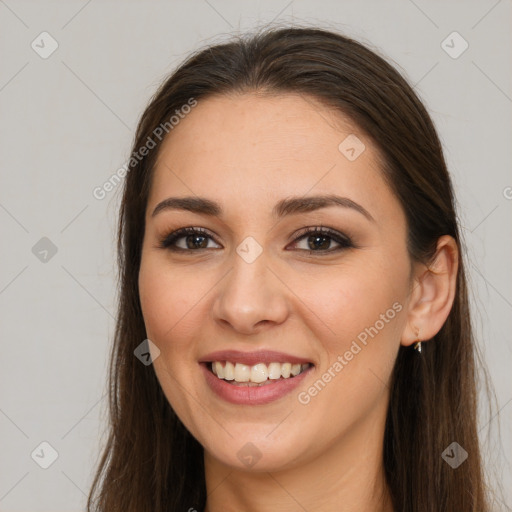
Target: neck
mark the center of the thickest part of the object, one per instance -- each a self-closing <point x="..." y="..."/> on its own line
<point x="348" y="474"/>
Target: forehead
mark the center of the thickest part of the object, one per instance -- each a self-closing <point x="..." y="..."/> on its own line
<point x="244" y="130"/>
<point x="254" y="149"/>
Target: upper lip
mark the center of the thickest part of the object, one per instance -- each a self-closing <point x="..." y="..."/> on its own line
<point x="252" y="358"/>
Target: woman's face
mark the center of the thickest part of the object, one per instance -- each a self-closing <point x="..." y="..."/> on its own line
<point x="260" y="293"/>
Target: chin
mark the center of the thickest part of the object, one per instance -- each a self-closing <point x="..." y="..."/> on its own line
<point x="257" y="451"/>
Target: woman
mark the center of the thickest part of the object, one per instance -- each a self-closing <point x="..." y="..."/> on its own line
<point x="290" y="262"/>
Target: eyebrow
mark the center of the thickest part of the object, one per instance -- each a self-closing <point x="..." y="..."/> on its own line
<point x="288" y="206"/>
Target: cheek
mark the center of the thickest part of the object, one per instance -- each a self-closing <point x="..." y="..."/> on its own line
<point x="170" y="303"/>
<point x="348" y="300"/>
<point x="362" y="308"/>
<point x="167" y="299"/>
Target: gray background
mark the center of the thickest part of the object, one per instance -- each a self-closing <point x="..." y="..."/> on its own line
<point x="67" y="123"/>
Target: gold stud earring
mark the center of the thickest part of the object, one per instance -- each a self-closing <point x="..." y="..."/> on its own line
<point x="417" y="341"/>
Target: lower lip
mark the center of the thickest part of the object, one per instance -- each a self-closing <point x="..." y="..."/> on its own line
<point x="252" y="395"/>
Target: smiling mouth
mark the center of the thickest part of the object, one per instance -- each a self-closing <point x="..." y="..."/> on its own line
<point x="260" y="374"/>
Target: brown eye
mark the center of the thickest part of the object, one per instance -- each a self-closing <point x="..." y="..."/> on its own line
<point x="320" y="240"/>
<point x="194" y="239"/>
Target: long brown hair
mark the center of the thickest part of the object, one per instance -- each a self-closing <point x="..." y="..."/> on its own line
<point x="151" y="462"/>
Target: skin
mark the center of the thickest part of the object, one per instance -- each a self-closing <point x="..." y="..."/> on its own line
<point x="247" y="152"/>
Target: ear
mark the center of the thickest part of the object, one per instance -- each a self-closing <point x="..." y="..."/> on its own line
<point x="433" y="292"/>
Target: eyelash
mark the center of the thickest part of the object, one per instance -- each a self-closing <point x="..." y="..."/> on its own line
<point x="168" y="241"/>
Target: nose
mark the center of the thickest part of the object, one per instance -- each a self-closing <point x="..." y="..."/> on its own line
<point x="250" y="297"/>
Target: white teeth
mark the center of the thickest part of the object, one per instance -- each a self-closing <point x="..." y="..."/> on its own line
<point x="286" y="370"/>
<point x="258" y="373"/>
<point x="229" y="371"/>
<point x="274" y="371"/>
<point x="218" y="370"/>
<point x="242" y="372"/>
<point x="295" y="369"/>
